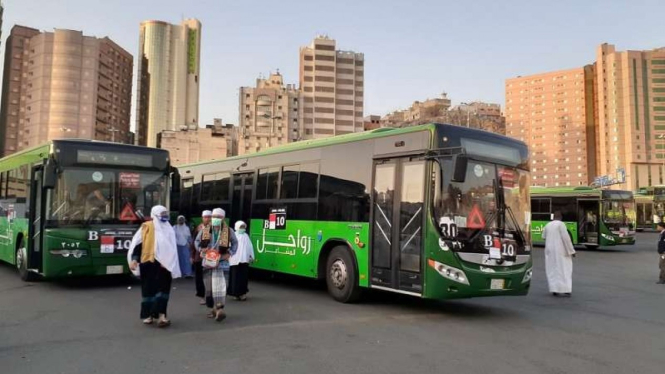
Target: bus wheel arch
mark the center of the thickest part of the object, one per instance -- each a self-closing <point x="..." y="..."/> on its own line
<point x="339" y="267"/>
<point x="21" y="260"/>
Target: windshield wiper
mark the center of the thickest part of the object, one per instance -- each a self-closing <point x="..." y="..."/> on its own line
<point x="501" y="199"/>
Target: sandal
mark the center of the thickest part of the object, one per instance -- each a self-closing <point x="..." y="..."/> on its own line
<point x="163" y="322"/>
<point x="220" y="315"/>
<point x="148" y="321"/>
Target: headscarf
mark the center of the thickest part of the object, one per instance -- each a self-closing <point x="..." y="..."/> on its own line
<point x="182" y="231"/>
<point x="245" y="250"/>
<point x="206" y="213"/>
<point x="239" y="224"/>
<point x="166" y="251"/>
<point x="218" y="212"/>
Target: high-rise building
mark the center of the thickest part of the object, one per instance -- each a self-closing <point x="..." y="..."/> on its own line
<point x="168" y="78"/>
<point x="549" y="112"/>
<point x="2" y="11"/>
<point x="270" y="114"/>
<point x="630" y="87"/>
<point x="332" y="83"/>
<point x="11" y="88"/>
<point x="597" y="120"/>
<point x="63" y="84"/>
<point x="212" y="142"/>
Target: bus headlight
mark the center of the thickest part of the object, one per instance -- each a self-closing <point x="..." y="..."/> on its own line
<point x="76" y="253"/>
<point x="527" y="276"/>
<point x="449" y="272"/>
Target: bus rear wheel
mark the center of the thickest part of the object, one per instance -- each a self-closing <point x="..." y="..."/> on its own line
<point x="342" y="276"/>
<point x="22" y="263"/>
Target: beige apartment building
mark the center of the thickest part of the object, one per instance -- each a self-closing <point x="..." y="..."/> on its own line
<point x="63" y="84"/>
<point x="630" y="87"/>
<point x="271" y="114"/>
<point x="597" y="119"/>
<point x="332" y="82"/>
<point x="549" y="112"/>
<point x="168" y="78"/>
<point x="212" y="142"/>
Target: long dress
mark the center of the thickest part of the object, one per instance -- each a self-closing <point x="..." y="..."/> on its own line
<point x="558" y="257"/>
<point x="239" y="274"/>
<point x="214" y="279"/>
<point x="155" y="287"/>
<point x="154" y="248"/>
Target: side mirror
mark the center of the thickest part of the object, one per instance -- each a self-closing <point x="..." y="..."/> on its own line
<point x="175" y="180"/>
<point x="50" y="174"/>
<point x="460" y="163"/>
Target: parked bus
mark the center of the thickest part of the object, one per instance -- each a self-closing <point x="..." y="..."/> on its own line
<point x="70" y="207"/>
<point x="435" y="211"/>
<point x="594" y="218"/>
<point x="650" y="202"/>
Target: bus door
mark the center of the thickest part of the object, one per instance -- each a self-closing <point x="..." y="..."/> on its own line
<point x="34" y="242"/>
<point x="588" y="216"/>
<point x="243" y="187"/>
<point x="397" y="224"/>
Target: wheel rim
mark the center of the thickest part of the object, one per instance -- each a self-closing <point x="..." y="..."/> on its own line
<point x="20" y="258"/>
<point x="338" y="274"/>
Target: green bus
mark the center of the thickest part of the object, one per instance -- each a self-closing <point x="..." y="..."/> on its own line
<point x="70" y="207"/>
<point x="650" y="203"/>
<point x="595" y="218"/>
<point x="434" y="211"/>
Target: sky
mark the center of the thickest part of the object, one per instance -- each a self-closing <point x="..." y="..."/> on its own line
<point x="413" y="50"/>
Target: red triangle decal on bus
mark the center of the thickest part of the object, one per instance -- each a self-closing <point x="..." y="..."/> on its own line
<point x="476" y="219"/>
<point x="128" y="214"/>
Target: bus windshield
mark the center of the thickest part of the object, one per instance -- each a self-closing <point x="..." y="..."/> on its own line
<point x="472" y="205"/>
<point x="83" y="196"/>
<point x="619" y="215"/>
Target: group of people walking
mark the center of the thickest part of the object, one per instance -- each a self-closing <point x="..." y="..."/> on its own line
<point x="215" y="255"/>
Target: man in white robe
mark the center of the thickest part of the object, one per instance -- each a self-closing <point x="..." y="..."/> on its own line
<point x="559" y="254"/>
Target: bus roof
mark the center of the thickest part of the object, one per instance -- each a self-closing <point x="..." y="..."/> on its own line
<point x="352" y="137"/>
<point x="568" y="191"/>
<point x="39" y="152"/>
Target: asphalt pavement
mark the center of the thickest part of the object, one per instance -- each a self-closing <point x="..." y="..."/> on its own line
<point x="613" y="323"/>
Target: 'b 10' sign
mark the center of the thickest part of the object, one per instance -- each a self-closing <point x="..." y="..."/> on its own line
<point x="276" y="220"/>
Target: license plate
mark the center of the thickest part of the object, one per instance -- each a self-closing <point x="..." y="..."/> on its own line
<point x="497" y="284"/>
<point x="114" y="269"/>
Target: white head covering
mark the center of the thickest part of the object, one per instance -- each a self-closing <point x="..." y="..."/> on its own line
<point x="238" y="224"/>
<point x="218" y="212"/>
<point x="166" y="251"/>
<point x="206" y="213"/>
<point x="245" y="250"/>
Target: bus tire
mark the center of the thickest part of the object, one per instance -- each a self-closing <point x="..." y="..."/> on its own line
<point x="22" y="263"/>
<point x="342" y="275"/>
<point x="591" y="247"/>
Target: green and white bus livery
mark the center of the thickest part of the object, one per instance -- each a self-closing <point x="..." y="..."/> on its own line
<point x="70" y="207"/>
<point x="435" y="211"/>
<point x="595" y="218"/>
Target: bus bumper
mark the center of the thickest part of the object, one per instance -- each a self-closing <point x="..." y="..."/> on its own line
<point x="479" y="282"/>
<point x="56" y="266"/>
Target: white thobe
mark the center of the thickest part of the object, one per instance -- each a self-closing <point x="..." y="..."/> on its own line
<point x="559" y="253"/>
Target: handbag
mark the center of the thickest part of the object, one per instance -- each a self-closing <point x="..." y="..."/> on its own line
<point x="210" y="259"/>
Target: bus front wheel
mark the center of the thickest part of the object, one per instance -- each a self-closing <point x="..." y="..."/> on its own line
<point x="342" y="275"/>
<point x="22" y="263"/>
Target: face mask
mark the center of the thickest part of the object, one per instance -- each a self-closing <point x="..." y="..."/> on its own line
<point x="216" y="221"/>
<point x="241" y="231"/>
<point x="164" y="218"/>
